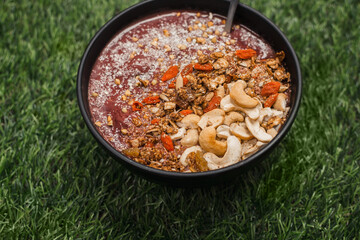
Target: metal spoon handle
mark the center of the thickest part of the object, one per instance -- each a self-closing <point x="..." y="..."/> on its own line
<point x="230" y="16"/>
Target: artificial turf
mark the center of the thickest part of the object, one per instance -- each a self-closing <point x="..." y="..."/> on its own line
<point x="57" y="183"/>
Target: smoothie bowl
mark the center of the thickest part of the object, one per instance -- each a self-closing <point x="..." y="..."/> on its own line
<point x="178" y="100"/>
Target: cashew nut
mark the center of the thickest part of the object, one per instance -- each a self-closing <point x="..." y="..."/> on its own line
<point x="187" y="152"/>
<point x="180" y="134"/>
<point x="267" y="113"/>
<point x="272" y="132"/>
<point x="208" y="142"/>
<point x="232" y="155"/>
<point x="227" y="104"/>
<point x="256" y="130"/>
<point x="230" y="85"/>
<point x="233" y="117"/>
<point x="240" y="130"/>
<point x="189" y="121"/>
<point x="238" y="94"/>
<point x="213" y="118"/>
<point x="252" y="113"/>
<point x="253" y="149"/>
<point x="191" y="138"/>
<point x="280" y="103"/>
<point x="223" y="131"/>
<point x="246" y="145"/>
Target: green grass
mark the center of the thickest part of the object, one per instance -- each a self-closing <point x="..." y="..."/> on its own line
<point x="57" y="183"/>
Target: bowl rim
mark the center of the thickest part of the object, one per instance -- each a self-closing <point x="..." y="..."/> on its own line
<point x="168" y="174"/>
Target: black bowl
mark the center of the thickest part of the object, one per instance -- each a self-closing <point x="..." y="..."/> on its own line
<point x="246" y="16"/>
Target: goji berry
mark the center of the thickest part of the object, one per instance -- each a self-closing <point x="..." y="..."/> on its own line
<point x="167" y="142"/>
<point x="172" y="84"/>
<point x="186" y="112"/>
<point x="187" y="70"/>
<point x="270" y="88"/>
<point x="214" y="103"/>
<point x="155" y="121"/>
<point x="151" y="100"/>
<point x="170" y="73"/>
<point x="245" y="53"/>
<point x="203" y="67"/>
<point x="271" y="100"/>
<point x="136" y="106"/>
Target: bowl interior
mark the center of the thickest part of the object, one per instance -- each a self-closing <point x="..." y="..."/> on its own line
<point x="244" y="15"/>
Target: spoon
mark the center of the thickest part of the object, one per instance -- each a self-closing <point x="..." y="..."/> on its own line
<point x="230" y="16"/>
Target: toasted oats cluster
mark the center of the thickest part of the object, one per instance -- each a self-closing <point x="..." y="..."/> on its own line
<point x="186" y="96"/>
